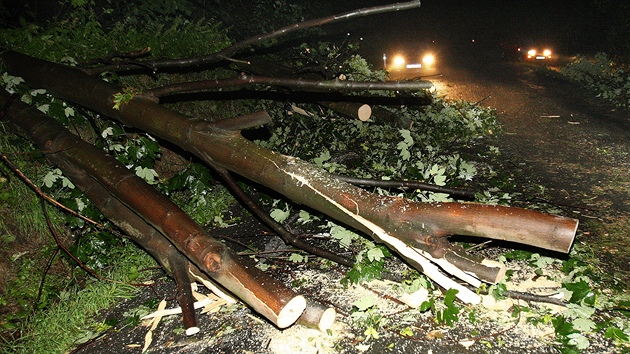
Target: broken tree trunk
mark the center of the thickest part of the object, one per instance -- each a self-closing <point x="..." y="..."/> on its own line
<point x="150" y="218"/>
<point x="417" y="231"/>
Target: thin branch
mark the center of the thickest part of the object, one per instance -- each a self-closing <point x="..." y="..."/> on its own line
<point x="228" y="52"/>
<point x="64" y="248"/>
<point x="303" y="84"/>
<point x="45" y="198"/>
<point x="286" y="235"/>
<point x="43" y="280"/>
<point x="51" y="200"/>
<point x="120" y="55"/>
<point x="529" y="297"/>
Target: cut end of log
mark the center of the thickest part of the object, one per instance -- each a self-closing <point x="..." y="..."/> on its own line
<point x="192" y="330"/>
<point x="570" y="236"/>
<point x="327" y="320"/>
<point x="291" y="312"/>
<point x="364" y="112"/>
<point x="494" y="264"/>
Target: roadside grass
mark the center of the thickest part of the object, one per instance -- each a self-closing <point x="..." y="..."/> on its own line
<point x="70" y="320"/>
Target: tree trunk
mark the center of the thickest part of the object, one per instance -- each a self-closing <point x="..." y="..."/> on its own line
<point x="417" y="231"/>
<point x="150" y="219"/>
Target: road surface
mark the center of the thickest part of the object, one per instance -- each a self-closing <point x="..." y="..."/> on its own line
<point x="575" y="145"/>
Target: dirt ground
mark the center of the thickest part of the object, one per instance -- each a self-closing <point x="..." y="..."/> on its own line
<point x="562" y="147"/>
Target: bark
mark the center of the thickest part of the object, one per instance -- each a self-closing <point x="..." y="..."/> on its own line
<point x="150" y="218"/>
<point x="294" y="83"/>
<point x="417" y="231"/>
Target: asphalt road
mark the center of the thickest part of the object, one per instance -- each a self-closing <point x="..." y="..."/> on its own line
<point x="557" y="135"/>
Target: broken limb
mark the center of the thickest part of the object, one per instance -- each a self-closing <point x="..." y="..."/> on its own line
<point x="360" y="111"/>
<point x="228" y="52"/>
<point x="294" y="83"/>
<point x="116" y="184"/>
<point x="317" y="315"/>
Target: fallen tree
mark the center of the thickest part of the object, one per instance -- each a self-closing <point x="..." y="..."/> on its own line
<point x="418" y="232"/>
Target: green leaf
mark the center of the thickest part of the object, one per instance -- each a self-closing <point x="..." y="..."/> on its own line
<point x="406" y="332"/>
<point x="323" y="157"/>
<point x="280" y="215"/>
<point x="43" y="108"/>
<point x="363" y="271"/>
<point x="581" y="292"/>
<point x="450" y="314"/>
<point x="578" y="311"/>
<point x="69" y="112"/>
<point x="541" y="262"/>
<point x="406" y="134"/>
<point x="364" y="303"/>
<point x="50" y="179"/>
<point x="498" y="291"/>
<point x="38" y="92"/>
<point x="562" y="326"/>
<point x="616" y="334"/>
<point x="344" y="235"/>
<point x="148" y="174"/>
<point x="67" y="183"/>
<point x="375" y="254"/>
<point x="439" y="180"/>
<point x="296" y="258"/>
<point x="305" y="217"/>
<point x="578" y="340"/>
<point x="583" y="324"/>
<point x="371" y="332"/>
<point x="450" y="296"/>
<point x="405" y="154"/>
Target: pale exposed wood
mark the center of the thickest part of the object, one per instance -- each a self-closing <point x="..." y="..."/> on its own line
<point x="317" y="315"/>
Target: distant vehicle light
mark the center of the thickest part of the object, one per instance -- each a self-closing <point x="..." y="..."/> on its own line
<point x="428" y="60"/>
<point x="539" y="55"/>
<point x="399" y="61"/>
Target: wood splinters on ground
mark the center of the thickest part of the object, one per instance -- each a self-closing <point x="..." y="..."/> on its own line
<point x="210" y="304"/>
<point x="148" y="338"/>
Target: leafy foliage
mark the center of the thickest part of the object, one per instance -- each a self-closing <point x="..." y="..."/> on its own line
<point x="368" y="150"/>
<point x="369" y="265"/>
<point x="610" y="80"/>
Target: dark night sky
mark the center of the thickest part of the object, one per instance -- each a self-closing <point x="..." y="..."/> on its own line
<point x="563" y="25"/>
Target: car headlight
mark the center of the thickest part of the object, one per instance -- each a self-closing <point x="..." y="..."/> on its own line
<point x="531" y="52"/>
<point x="399" y="61"/>
<point x="428" y="60"/>
<point x="547" y="52"/>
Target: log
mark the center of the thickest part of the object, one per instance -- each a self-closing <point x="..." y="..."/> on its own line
<point x="117" y="187"/>
<point x="317" y="316"/>
<point x="359" y="111"/>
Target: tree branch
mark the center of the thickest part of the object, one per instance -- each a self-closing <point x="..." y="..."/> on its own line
<point x="226" y="53"/>
<point x="287" y="236"/>
<point x="303" y="84"/>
